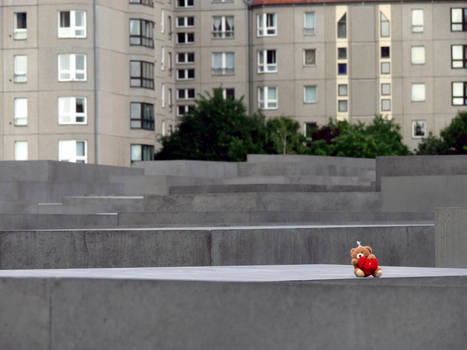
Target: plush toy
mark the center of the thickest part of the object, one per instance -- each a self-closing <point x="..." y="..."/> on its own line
<point x="365" y="262"/>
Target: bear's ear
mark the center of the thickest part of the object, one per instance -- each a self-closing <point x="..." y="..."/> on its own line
<point x="351" y="251"/>
<point x="369" y="249"/>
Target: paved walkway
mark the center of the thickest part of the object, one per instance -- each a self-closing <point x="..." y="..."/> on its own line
<point x="259" y="273"/>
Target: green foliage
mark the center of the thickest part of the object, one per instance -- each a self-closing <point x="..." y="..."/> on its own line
<point x="216" y="129"/>
<point x="453" y="139"/>
<point x="284" y="137"/>
<point x="379" y="138"/>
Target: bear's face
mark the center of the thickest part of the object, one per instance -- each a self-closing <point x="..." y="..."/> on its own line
<point x="357" y="253"/>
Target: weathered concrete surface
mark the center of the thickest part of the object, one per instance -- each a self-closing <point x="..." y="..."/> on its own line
<point x="52" y="221"/>
<point x="203" y="246"/>
<point x="423" y="193"/>
<point x="451" y="237"/>
<point x="189" y="168"/>
<point x="151" y="313"/>
<point x="419" y="166"/>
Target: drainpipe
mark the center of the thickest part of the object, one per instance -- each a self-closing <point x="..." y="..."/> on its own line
<point x="96" y="119"/>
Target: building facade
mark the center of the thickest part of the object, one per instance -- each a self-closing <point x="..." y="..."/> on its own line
<point x="99" y="81"/>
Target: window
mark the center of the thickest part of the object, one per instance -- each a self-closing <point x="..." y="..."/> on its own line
<point x="143" y="2"/>
<point x="141" y="33"/>
<point x="169" y="23"/>
<point x="162" y="58"/>
<point x="223" y="27"/>
<point x="142" y="152"/>
<point x="185" y="3"/>
<point x="185" y="38"/>
<point x="141" y="115"/>
<point x="21" y="26"/>
<point x="418" y="92"/>
<point x="385" y="89"/>
<point x="309" y="25"/>
<point x="72" y="24"/>
<point x="310" y="94"/>
<point x="185" y="57"/>
<point x="342" y="27"/>
<point x="185" y="22"/>
<point x="459" y="93"/>
<point x="223" y="63"/>
<point x="385" y="30"/>
<point x="142" y="74"/>
<point x="342" y="53"/>
<point x="21" y="111"/>
<point x="21" y="69"/>
<point x="342" y="68"/>
<point x="72" y="110"/>
<point x="342" y="90"/>
<point x="266" y="24"/>
<point x="185" y="94"/>
<point x="21" y="150"/>
<point x="170" y="62"/>
<point x="162" y="21"/>
<point x="163" y="95"/>
<point x="71" y="67"/>
<point x="459" y="20"/>
<point x="267" y="61"/>
<point x="183" y="109"/>
<point x="308" y="129"/>
<point x="228" y="93"/>
<point x="459" y="56"/>
<point x="342" y="106"/>
<point x="418" y="55"/>
<point x="417" y="21"/>
<point x="267" y="97"/>
<point x="185" y="74"/>
<point x="72" y="151"/>
<point x="386" y="105"/>
<point x="163" y="128"/>
<point x="309" y="57"/>
<point x="385" y="68"/>
<point x="418" y="128"/>
<point x="385" y="52"/>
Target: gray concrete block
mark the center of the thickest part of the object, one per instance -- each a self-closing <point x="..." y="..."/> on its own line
<point x="55" y="221"/>
<point x="338" y="161"/>
<point x="423" y="193"/>
<point x="25" y="314"/>
<point x="191" y="168"/>
<point x="451" y="237"/>
<point x="419" y="166"/>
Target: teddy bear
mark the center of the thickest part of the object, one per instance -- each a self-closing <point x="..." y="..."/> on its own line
<point x="365" y="262"/>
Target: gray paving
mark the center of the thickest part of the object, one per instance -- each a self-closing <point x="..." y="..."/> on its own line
<point x="269" y="273"/>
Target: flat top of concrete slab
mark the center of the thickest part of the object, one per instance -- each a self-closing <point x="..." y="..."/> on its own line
<point x="257" y="273"/>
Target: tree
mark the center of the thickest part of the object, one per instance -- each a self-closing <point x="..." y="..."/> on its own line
<point x="452" y="140"/>
<point x="284" y="137"/>
<point x="217" y="128"/>
<point x="381" y="137"/>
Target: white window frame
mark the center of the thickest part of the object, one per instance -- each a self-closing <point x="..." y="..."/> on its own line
<point x="163" y="95"/>
<point x="162" y="58"/>
<point x="223" y="33"/>
<point x="20" y="33"/>
<point x="306" y="29"/>
<point x="385" y="67"/>
<point x="71" y="117"/>
<point x="223" y="69"/>
<point x="186" y="56"/>
<point x="21" y="150"/>
<point x="185" y="22"/>
<point x="382" y="32"/>
<point x="343" y="87"/>
<point x="186" y="77"/>
<point x="20" y="76"/>
<point x="418" y="22"/>
<point x="162" y="21"/>
<point x="73" y="31"/>
<point x="315" y="93"/>
<point x="459" y="56"/>
<point x="71" y="147"/>
<point x="421" y="98"/>
<point x="344" y="101"/>
<point x="414" y="59"/>
<point x="186" y="95"/>
<point x="459" y="93"/>
<point x="262" y="29"/>
<point x="186" y="36"/>
<point x="21" y="111"/>
<point x="304" y="58"/>
<point x="266" y="103"/>
<point x="382" y="89"/>
<point x="72" y="72"/>
<point x="383" y="106"/>
<point x="414" y="125"/>
<point x="185" y="3"/>
<point x="263" y="65"/>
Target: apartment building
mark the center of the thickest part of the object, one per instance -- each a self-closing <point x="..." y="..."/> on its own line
<point x="99" y="80"/>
